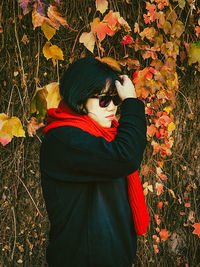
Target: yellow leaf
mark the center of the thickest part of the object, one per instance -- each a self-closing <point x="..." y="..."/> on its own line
<point x="49" y="32"/>
<point x="145" y="191"/>
<point x="111" y="62"/>
<point x="10" y="127"/>
<point x="171" y="127"/>
<point x="168" y="109"/>
<point x="145" y="184"/>
<point x="53" y="97"/>
<point x="53" y="52"/>
<point x="88" y="39"/>
<point x="150" y="187"/>
<point x="102" y="5"/>
<point x="194" y="53"/>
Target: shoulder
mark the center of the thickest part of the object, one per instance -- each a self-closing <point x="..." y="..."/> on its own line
<point x="70" y="135"/>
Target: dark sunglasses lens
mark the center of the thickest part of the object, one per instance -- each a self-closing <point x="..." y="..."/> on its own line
<point x="104" y="101"/>
<point x="116" y="100"/>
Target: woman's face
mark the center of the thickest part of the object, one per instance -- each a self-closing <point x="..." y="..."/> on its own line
<point x="102" y="115"/>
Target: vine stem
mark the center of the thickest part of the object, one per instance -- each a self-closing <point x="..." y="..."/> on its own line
<point x="14" y="220"/>
<point x="186" y="101"/>
<point x="30" y="196"/>
<point x="77" y="38"/>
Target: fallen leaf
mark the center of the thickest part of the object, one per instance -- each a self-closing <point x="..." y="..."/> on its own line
<point x="160" y="204"/>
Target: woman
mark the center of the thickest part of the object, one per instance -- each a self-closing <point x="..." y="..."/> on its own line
<point x="86" y="157"/>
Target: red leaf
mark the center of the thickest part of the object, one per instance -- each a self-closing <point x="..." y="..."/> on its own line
<point x="197" y="229"/>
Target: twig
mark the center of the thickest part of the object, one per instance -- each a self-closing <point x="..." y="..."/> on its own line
<point x="186" y="101"/>
<point x="20" y="54"/>
<point x="9" y="101"/>
<point x="30" y="195"/>
<point x="14" y="220"/>
<point x="77" y="38"/>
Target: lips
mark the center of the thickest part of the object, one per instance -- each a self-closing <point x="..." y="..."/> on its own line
<point x="111" y="116"/>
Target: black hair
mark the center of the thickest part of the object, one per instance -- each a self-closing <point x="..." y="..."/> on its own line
<point x="83" y="79"/>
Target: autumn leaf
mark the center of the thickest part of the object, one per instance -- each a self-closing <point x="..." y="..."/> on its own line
<point x="127" y="40"/>
<point x="10" y="127"/>
<point x="39" y="104"/>
<point x="160" y="204"/>
<point x="101" y="5"/>
<point x="53" y="97"/>
<point x="145" y="170"/>
<point x="45" y="98"/>
<point x="151" y="130"/>
<point x="158" y="221"/>
<point x="194" y="53"/>
<point x="156" y="250"/>
<point x="33" y="126"/>
<point x="177" y="29"/>
<point x="100" y="28"/>
<point x="197" y="229"/>
<point x="148" y="33"/>
<point x="88" y="39"/>
<point x="24" y="5"/>
<point x="52" y="51"/>
<point x="164" y="234"/>
<point x="49" y="31"/>
<point x="181" y="3"/>
<point x="159" y="188"/>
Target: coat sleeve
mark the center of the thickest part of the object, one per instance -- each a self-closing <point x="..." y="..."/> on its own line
<point x="69" y="153"/>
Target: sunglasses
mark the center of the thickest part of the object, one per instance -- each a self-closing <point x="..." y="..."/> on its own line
<point x="104" y="100"/>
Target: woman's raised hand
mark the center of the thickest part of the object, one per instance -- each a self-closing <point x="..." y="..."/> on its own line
<point x="126" y="89"/>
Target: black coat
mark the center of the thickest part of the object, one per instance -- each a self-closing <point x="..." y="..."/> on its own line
<point x="85" y="190"/>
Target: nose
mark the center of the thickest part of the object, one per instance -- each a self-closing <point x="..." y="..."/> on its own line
<point x="111" y="106"/>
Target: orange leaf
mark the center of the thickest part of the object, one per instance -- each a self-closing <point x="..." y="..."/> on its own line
<point x="156" y="216"/>
<point x="197" y="229"/>
<point x="156" y="250"/>
<point x="187" y="205"/>
<point x="102" y="5"/>
<point x="151" y="130"/>
<point x="164" y="234"/>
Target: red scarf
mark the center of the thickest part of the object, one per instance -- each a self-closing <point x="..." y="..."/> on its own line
<point x="63" y="116"/>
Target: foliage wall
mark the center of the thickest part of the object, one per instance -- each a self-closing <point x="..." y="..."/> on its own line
<point x="156" y="43"/>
